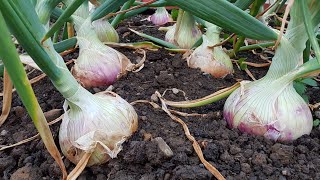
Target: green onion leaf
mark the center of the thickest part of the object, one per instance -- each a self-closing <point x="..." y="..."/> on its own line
<point x="227" y="16"/>
<point x="19" y="78"/>
<point x="310" y="28"/>
<point x="63" y="18"/>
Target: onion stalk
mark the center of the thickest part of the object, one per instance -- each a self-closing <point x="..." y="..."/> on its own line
<point x="185" y="32"/>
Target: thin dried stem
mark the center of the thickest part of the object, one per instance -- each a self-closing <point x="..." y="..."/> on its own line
<point x="80" y="166"/>
<point x="130" y="9"/>
<point x="30" y="138"/>
<point x="195" y="144"/>
<point x="224" y="41"/>
<point x="286" y="13"/>
<point x="7" y="97"/>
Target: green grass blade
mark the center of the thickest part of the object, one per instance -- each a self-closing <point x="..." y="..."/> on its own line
<point x="310" y="28"/>
<point x="107" y="7"/>
<point x="226" y="15"/>
<point x="119" y="17"/>
<point x="63" y="18"/>
<point x="19" y="78"/>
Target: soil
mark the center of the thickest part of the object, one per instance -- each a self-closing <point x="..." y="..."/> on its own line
<point x="236" y="155"/>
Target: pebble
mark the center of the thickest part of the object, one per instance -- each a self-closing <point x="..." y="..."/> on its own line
<point x="53" y="114"/>
<point x="96" y="90"/>
<point x="164" y="147"/>
<point x="110" y="88"/>
<point x="3" y="132"/>
<point x="147" y="136"/>
<point x="286" y="172"/>
<point x="175" y="90"/>
<point x="154" y="98"/>
<point x="19" y="111"/>
<point x="143" y="118"/>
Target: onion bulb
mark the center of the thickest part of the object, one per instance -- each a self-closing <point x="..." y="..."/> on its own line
<point x="105" y="32"/>
<point x="211" y="60"/>
<point x="98" y="124"/>
<point x="160" y="17"/>
<point x="186" y="35"/>
<point x="97" y="64"/>
<point x="270" y="106"/>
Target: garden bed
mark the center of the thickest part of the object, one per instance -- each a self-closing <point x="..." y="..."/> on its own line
<point x="236" y="155"/>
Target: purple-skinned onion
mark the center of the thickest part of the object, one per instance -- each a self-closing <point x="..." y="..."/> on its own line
<point x="160" y="17"/>
<point x="97" y="64"/>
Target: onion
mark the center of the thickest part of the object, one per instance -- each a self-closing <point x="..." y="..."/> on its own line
<point x="105" y="32"/>
<point x="97" y="64"/>
<point x="97" y="123"/>
<point x="186" y="35"/>
<point x="270" y="106"/>
<point x="211" y="60"/>
<point x="160" y="17"/>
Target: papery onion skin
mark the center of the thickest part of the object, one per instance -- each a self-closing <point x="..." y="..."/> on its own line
<point x="283" y="116"/>
<point x="160" y="17"/>
<point x="105" y="31"/>
<point x="211" y="60"/>
<point x="108" y="117"/>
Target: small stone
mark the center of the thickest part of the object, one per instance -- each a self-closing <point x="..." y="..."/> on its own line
<point x="164" y="147"/>
<point x="143" y="118"/>
<point x="3" y="133"/>
<point x="19" y="111"/>
<point x="147" y="136"/>
<point x="96" y="90"/>
<point x="53" y="114"/>
<point x="285" y="172"/>
<point x="154" y="98"/>
<point x="175" y="90"/>
<point x="110" y="88"/>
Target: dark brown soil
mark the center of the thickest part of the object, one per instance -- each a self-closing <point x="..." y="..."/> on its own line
<point x="236" y="155"/>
